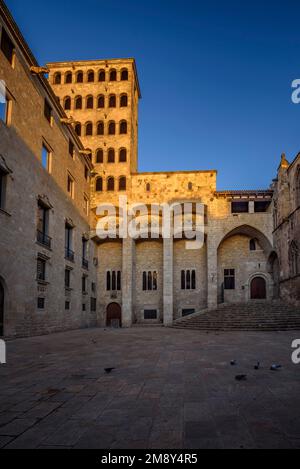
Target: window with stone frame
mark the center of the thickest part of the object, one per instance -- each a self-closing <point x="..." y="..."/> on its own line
<point x="5" y="105"/>
<point x="229" y="279"/>
<point x="150" y="281"/>
<point x="188" y="279"/>
<point x="113" y="280"/>
<point x="41" y="269"/>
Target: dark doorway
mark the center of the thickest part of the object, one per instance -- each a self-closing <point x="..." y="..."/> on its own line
<point x="114" y="315"/>
<point x="258" y="289"/>
<point x="1" y="309"/>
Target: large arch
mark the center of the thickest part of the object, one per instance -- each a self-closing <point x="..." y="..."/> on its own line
<point x="239" y="264"/>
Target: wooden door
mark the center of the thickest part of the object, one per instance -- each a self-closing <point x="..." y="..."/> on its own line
<point x="114" y="315"/>
<point x="258" y="289"/>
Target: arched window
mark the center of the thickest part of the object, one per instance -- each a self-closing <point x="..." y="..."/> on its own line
<point x="124" y="74"/>
<point x="111" y="184"/>
<point x="122" y="183"/>
<point x="78" y="129"/>
<point x="89" y="129"/>
<point x="100" y="128"/>
<point x="101" y="75"/>
<point x="190" y="186"/>
<point x="91" y="76"/>
<point x="79" y="77"/>
<point x="78" y="102"/>
<point x="112" y="100"/>
<point x="99" y="156"/>
<point x="112" y="128"/>
<point x="101" y="101"/>
<point x="124" y="100"/>
<point x="111" y="155"/>
<point x="298" y="187"/>
<point x="67" y="103"/>
<point x="252" y="244"/>
<point x="113" y="75"/>
<point x="123" y="155"/>
<point x="148" y="187"/>
<point x="99" y="185"/>
<point x="57" y="78"/>
<point x="68" y="78"/>
<point x="90" y="102"/>
<point x="123" y="127"/>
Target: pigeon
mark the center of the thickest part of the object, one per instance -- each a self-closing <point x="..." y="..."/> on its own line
<point x="108" y="370"/>
<point x="241" y="378"/>
<point x="257" y="367"/>
<point x="233" y="363"/>
<point x="275" y="367"/>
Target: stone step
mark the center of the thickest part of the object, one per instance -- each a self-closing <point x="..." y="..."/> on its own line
<point x="256" y="316"/>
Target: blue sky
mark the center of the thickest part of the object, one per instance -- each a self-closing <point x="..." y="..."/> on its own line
<point x="215" y="75"/>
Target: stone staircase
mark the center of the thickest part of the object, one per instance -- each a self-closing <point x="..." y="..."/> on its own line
<point x="253" y="316"/>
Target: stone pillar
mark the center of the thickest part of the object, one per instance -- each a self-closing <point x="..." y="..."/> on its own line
<point x="212" y="272"/>
<point x="168" y="282"/>
<point x="251" y="207"/>
<point x="128" y="262"/>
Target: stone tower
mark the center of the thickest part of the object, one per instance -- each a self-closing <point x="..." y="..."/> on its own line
<point x="102" y="99"/>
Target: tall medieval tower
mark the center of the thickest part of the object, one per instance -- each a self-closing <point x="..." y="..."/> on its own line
<point x="102" y="99"/>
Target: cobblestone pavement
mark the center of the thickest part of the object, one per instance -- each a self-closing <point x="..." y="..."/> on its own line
<point x="170" y="389"/>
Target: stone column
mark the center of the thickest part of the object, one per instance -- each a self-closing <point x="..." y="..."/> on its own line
<point x="128" y="261"/>
<point x="212" y="272"/>
<point x="168" y="282"/>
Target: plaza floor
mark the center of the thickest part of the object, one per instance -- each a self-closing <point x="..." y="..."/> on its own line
<point x="171" y="389"/>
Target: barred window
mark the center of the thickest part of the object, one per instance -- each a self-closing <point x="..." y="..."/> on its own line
<point x="188" y="279"/>
<point x="41" y="270"/>
<point x="150" y="281"/>
<point x="113" y="280"/>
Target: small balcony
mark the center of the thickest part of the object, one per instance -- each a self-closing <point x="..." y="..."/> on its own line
<point x="69" y="255"/>
<point x="85" y="264"/>
<point x="43" y="239"/>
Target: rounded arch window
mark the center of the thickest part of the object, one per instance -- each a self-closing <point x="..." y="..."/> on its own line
<point x="123" y="127"/>
<point x="68" y="78"/>
<point x="99" y="156"/>
<point x="110" y="184"/>
<point x="101" y="75"/>
<point x="112" y="100"/>
<point x="99" y="184"/>
<point x="91" y="76"/>
<point x="57" y="78"/>
<point x="67" y="103"/>
<point x="78" y="102"/>
<point x="123" y="155"/>
<point x="111" y="156"/>
<point x="112" y="128"/>
<point x="124" y="74"/>
<point x="79" y="77"/>
<point x="113" y="75"/>
<point x="101" y="102"/>
<point x="78" y="129"/>
<point x="124" y="100"/>
<point x="100" y="128"/>
<point x="89" y="129"/>
<point x="122" y="183"/>
<point x="90" y="102"/>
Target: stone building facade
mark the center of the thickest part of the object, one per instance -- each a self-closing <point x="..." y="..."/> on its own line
<point x="286" y="212"/>
<point x="69" y="144"/>
<point x="47" y="273"/>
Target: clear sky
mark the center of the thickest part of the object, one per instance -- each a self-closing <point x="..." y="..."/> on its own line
<point x="215" y="75"/>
